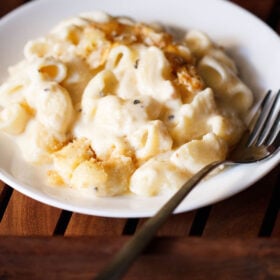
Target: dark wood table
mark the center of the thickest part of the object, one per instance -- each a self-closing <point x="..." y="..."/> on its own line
<point x="237" y="238"/>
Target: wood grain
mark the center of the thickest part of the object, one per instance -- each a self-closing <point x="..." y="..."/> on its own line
<point x="25" y="216"/>
<point x="242" y="215"/>
<point x="1" y="186"/>
<point x="5" y="196"/>
<point x="176" y="225"/>
<point x="80" y="225"/>
<point x="228" y="248"/>
<point x="187" y="258"/>
<point x="2" y="198"/>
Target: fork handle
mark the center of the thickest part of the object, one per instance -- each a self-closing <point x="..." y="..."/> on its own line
<point x="129" y="252"/>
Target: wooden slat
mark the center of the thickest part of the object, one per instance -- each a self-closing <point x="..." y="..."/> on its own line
<point x="2" y="199"/>
<point x="80" y="225"/>
<point x="176" y="225"/>
<point x="25" y="216"/>
<point x="242" y="215"/>
<point x="5" y="196"/>
<point x="166" y="258"/>
<point x="1" y="186"/>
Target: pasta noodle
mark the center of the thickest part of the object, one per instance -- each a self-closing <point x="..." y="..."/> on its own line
<point x="114" y="106"/>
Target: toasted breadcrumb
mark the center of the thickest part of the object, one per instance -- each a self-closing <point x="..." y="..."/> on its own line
<point x="70" y="156"/>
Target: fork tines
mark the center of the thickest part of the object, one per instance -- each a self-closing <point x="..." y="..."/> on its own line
<point x="267" y="128"/>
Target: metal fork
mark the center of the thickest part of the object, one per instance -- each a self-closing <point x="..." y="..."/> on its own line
<point x="258" y="144"/>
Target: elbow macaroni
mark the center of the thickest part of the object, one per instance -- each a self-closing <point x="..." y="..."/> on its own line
<point x="116" y="106"/>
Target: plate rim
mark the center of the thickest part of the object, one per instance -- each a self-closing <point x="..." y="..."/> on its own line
<point x="121" y="214"/>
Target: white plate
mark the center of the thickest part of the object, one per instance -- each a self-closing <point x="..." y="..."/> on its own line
<point x="255" y="47"/>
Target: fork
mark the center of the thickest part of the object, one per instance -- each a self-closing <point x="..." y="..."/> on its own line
<point x="256" y="145"/>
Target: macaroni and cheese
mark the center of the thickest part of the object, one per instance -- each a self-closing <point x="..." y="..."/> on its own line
<point x="118" y="106"/>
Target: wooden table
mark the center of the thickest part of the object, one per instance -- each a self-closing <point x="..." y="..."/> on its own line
<point x="235" y="239"/>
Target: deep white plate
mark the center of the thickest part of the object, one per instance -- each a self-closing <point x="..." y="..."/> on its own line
<point x="255" y="47"/>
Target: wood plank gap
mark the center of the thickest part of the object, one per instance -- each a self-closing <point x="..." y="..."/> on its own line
<point x="274" y="16"/>
<point x="4" y="199"/>
<point x="200" y="221"/>
<point x="270" y="217"/>
<point x="62" y="222"/>
<point x="130" y="226"/>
